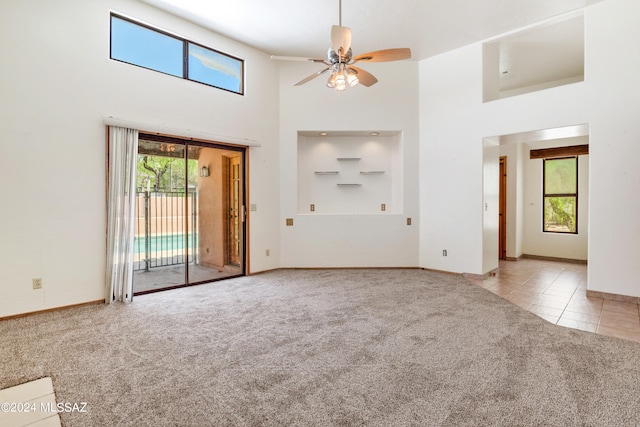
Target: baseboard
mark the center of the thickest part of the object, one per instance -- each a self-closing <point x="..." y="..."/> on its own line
<point x="613" y="297"/>
<point x="433" y="270"/>
<point x="254" y="273"/>
<point x="549" y="258"/>
<point x="47" y="310"/>
<point x="347" y="268"/>
<point x="484" y="276"/>
<point x="471" y="276"/>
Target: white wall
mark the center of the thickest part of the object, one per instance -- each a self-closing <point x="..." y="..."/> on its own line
<point x="451" y="162"/>
<point x="349" y="240"/>
<point x="454" y="121"/>
<point x="556" y="245"/>
<point x="611" y="74"/>
<point x="58" y="83"/>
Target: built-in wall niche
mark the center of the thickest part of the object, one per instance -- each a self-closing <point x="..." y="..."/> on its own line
<point x="349" y="172"/>
<point x="534" y="59"/>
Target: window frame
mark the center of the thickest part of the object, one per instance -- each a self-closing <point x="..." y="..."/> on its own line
<point x="185" y="54"/>
<point x="545" y="195"/>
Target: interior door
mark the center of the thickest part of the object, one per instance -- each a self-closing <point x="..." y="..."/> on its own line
<point x="502" y="209"/>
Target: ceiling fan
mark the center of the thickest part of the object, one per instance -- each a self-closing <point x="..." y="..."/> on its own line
<point x="340" y="60"/>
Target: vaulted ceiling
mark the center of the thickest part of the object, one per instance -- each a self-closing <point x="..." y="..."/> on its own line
<point x="428" y="27"/>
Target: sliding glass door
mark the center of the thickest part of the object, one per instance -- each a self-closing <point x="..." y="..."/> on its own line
<point x="190" y="213"/>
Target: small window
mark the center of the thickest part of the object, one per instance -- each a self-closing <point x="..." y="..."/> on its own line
<point x="146" y="47"/>
<point x="560" y="194"/>
<point x="213" y="68"/>
<point x="142" y="46"/>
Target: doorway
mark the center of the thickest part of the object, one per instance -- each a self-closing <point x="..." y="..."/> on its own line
<point x="185" y="195"/>
<point x="522" y="220"/>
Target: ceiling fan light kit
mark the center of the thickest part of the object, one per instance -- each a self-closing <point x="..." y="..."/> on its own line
<point x="341" y="77"/>
<point x="340" y="61"/>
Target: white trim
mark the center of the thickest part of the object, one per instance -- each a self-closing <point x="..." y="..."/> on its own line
<point x="188" y="133"/>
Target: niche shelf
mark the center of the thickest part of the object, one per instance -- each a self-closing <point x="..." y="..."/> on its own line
<point x="349" y="172"/>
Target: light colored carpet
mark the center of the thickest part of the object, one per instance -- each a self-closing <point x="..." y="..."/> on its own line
<point x="324" y="347"/>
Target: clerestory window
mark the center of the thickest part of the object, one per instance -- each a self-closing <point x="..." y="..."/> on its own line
<point x="141" y="45"/>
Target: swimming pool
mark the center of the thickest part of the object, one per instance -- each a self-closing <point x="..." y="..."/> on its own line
<point x="163" y="242"/>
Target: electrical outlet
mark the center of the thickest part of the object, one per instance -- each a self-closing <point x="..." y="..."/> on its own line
<point x="289" y="222"/>
<point x="312" y="207"/>
<point x="268" y="252"/>
<point x="408" y="221"/>
<point x="444" y="252"/>
<point x="37" y="283"/>
<point x="383" y="207"/>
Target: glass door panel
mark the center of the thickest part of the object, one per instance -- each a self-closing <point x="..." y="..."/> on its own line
<point x="235" y="209"/>
<point x="214" y="211"/>
<point x="161" y="217"/>
<point x="189" y="215"/>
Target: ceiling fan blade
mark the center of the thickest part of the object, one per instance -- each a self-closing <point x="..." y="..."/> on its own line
<point x="295" y="58"/>
<point x="366" y="78"/>
<point x="311" y="77"/>
<point x="385" y="55"/>
<point x="340" y="38"/>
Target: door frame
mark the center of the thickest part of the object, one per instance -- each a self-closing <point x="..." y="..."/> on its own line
<point x="244" y="198"/>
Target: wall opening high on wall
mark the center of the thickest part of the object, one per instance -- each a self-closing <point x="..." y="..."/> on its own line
<point x="533" y="59"/>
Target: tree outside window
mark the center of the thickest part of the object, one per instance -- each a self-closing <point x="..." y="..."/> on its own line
<point x="164" y="174"/>
<point x="560" y="188"/>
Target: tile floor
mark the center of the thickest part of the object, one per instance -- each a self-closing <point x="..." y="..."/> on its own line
<point x="556" y="291"/>
<point x="30" y="404"/>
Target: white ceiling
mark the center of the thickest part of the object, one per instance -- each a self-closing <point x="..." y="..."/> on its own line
<point x="428" y="27"/>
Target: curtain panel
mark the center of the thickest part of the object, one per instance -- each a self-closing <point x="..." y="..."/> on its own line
<point x="121" y="198"/>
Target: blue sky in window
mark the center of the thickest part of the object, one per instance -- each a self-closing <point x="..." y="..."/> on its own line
<point x="138" y="45"/>
<point x="207" y="66"/>
<point x="144" y="47"/>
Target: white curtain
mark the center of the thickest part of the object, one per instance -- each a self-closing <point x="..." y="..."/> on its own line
<point x="123" y="153"/>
